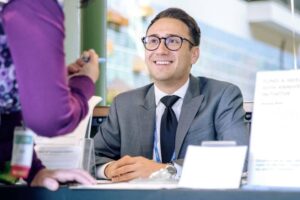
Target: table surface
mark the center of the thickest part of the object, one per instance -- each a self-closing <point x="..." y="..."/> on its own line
<point x="64" y="193"/>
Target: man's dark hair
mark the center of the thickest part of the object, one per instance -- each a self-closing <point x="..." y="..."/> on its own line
<point x="179" y="14"/>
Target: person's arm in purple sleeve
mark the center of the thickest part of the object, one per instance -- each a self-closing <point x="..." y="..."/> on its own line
<point x="36" y="166"/>
<point x="51" y="104"/>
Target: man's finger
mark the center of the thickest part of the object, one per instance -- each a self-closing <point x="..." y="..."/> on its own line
<point x="123" y="170"/>
<point x="126" y="160"/>
<point x="125" y="177"/>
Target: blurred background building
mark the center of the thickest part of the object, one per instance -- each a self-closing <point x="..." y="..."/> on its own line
<point x="239" y="38"/>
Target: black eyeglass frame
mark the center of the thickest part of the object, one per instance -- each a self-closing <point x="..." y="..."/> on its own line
<point x="165" y="42"/>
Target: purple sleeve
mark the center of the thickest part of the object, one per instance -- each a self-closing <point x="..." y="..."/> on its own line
<point x="36" y="166"/>
<point x="51" y="104"/>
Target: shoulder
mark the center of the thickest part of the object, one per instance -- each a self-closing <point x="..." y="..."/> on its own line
<point x="137" y="94"/>
<point x="214" y="89"/>
<point x="215" y="85"/>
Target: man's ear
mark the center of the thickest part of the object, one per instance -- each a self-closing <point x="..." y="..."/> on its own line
<point x="195" y="54"/>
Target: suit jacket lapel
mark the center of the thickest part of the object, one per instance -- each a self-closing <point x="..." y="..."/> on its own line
<point x="146" y="124"/>
<point x="191" y="103"/>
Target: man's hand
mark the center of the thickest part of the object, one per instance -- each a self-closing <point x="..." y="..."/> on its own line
<point x="129" y="168"/>
<point x="50" y="179"/>
<point x="89" y="68"/>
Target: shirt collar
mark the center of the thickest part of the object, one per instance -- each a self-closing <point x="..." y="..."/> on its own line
<point x="180" y="92"/>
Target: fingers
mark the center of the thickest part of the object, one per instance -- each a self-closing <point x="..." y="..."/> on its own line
<point x="122" y="166"/>
<point x="126" y="177"/>
<point x="89" y="56"/>
<point x="108" y="169"/>
<point x="93" y="56"/>
<point x="87" y="176"/>
<point x="125" y="169"/>
<point x="77" y="175"/>
<point x="89" y="65"/>
<point x="50" y="184"/>
<point x="51" y="178"/>
<point x="126" y="160"/>
<point x="128" y="168"/>
<point x="74" y="68"/>
<point x="113" y="166"/>
<point x="85" y="57"/>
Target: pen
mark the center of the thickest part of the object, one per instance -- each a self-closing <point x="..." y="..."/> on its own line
<point x="102" y="60"/>
<point x="87" y="59"/>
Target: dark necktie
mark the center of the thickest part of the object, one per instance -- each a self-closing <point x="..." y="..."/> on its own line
<point x="168" y="129"/>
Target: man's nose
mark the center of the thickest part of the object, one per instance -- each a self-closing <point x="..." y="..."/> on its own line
<point x="162" y="46"/>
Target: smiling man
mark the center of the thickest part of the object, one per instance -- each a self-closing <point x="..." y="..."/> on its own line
<point x="150" y="128"/>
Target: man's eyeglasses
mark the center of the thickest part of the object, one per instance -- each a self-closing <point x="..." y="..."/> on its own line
<point x="172" y="42"/>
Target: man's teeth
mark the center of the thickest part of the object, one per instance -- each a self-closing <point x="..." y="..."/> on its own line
<point x="162" y="62"/>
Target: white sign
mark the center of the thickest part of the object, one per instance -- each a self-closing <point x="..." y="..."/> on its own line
<point x="274" y="158"/>
<point x="208" y="167"/>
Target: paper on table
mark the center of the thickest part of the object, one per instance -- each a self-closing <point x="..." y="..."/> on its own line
<point x="213" y="167"/>
<point x="140" y="185"/>
<point x="60" y="157"/>
<point x="65" y="152"/>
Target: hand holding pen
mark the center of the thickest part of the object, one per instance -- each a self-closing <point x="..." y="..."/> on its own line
<point x="87" y="65"/>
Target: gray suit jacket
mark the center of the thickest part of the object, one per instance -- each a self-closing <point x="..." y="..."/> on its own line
<point x="211" y="110"/>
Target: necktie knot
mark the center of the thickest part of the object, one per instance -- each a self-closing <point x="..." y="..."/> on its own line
<point x="169" y="100"/>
